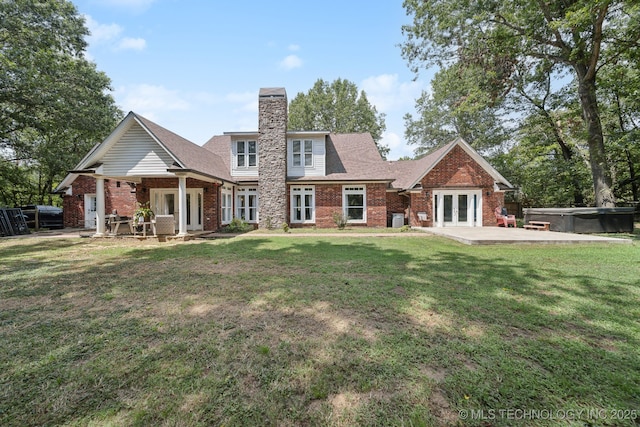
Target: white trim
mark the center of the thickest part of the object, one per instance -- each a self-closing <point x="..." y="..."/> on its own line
<point x="195" y="210"/>
<point x="244" y="212"/>
<point x="89" y="207"/>
<point x="302" y="191"/>
<point x="348" y="190"/>
<point x="226" y="205"/>
<point x="473" y="208"/>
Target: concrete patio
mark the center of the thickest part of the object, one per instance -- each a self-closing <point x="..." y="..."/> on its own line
<point x="501" y="235"/>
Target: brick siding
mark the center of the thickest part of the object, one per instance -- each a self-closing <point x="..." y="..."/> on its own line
<point x="125" y="198"/>
<point x="457" y="170"/>
<point x="329" y="201"/>
<point x="119" y="196"/>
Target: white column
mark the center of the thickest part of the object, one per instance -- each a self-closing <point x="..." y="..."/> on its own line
<point x="440" y="210"/>
<point x="100" y="207"/>
<point x="182" y="200"/>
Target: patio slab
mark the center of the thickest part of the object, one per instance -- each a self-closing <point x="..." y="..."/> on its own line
<point x="501" y="235"/>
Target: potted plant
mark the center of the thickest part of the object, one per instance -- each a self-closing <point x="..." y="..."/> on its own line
<point x="143" y="211"/>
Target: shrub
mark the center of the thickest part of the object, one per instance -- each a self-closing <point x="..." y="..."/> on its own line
<point x="340" y="220"/>
<point x="237" y="225"/>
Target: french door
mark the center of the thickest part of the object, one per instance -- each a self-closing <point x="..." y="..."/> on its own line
<point x="456" y="208"/>
<point x="90" y="208"/>
<point x="165" y="202"/>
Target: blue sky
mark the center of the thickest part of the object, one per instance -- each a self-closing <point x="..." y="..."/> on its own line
<point x="196" y="66"/>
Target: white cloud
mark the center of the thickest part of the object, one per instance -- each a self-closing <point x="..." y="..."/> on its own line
<point x="246" y="102"/>
<point x="397" y="147"/>
<point x="294" y="47"/>
<point x="291" y="62"/>
<point x="110" y="35"/>
<point x="129" y="43"/>
<point x="149" y="100"/>
<point x="387" y="93"/>
<point x="101" y="33"/>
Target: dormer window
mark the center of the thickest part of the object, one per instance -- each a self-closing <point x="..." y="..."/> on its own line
<point x="246" y="154"/>
<point x="302" y="152"/>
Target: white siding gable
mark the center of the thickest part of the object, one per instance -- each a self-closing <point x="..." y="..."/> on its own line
<point x="318" y="166"/>
<point x="136" y="153"/>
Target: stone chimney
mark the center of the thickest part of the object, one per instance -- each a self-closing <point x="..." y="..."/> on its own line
<point x="272" y="164"/>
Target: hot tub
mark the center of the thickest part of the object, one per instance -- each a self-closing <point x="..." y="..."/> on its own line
<point x="584" y="220"/>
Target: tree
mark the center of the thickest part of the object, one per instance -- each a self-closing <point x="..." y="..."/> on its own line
<point x="619" y="86"/>
<point x="457" y="105"/>
<point x="54" y="104"/>
<point x="337" y="107"/>
<point x="500" y="36"/>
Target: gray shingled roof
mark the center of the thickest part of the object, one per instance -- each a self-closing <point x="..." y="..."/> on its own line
<point x="352" y="157"/>
<point x="407" y="172"/>
<point x="191" y="156"/>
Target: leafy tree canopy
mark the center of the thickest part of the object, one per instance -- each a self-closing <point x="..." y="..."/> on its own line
<point x="512" y="39"/>
<point x="54" y="104"/>
<point x="337" y="107"/>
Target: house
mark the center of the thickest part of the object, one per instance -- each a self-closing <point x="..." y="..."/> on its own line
<point x="274" y="176"/>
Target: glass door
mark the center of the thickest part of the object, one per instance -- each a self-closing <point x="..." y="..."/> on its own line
<point x="457" y="208"/>
<point x="166" y="202"/>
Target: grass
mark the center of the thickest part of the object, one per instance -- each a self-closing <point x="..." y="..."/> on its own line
<point x="317" y="330"/>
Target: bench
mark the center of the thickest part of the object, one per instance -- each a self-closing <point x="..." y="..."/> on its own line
<point x="537" y="225"/>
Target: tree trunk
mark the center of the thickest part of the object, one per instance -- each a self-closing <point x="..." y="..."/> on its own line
<point x="597" y="158"/>
<point x="632" y="175"/>
<point x="567" y="155"/>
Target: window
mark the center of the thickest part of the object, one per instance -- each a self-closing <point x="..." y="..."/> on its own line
<point x="247" y="204"/>
<point x="227" y="205"/>
<point x="354" y="204"/>
<point x="303" y="204"/>
<point x="302" y="149"/>
<point x="246" y="154"/>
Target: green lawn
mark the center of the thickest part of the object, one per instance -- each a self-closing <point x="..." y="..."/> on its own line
<point x="318" y="330"/>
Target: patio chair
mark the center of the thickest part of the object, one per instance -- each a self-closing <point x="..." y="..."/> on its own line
<point x="503" y="218"/>
<point x="164" y="224"/>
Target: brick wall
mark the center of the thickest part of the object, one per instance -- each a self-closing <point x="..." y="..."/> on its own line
<point x="376" y="205"/>
<point x="125" y="198"/>
<point x="457" y="170"/>
<point x="119" y="195"/>
<point x="329" y="201"/>
<point x="396" y="204"/>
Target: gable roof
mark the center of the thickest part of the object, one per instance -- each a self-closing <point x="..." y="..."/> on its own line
<point x="189" y="156"/>
<point x="349" y="157"/>
<point x="185" y="155"/>
<point x="409" y="173"/>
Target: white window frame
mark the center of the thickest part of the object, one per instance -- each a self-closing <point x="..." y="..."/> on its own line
<point x="226" y="205"/>
<point x="304" y="151"/>
<point x="195" y="205"/>
<point x="350" y="190"/>
<point x="246" y="154"/>
<point x="244" y="210"/>
<point x="302" y="192"/>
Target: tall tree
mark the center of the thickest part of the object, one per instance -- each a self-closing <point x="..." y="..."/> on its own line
<point x="502" y="36"/>
<point x="54" y="104"/>
<point x="337" y="107"/>
<point x="457" y="105"/>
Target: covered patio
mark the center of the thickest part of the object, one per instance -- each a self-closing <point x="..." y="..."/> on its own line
<point x="141" y="163"/>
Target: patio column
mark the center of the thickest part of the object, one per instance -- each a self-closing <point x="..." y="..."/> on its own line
<point x="100" y="207"/>
<point x="440" y="208"/>
<point x="182" y="200"/>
